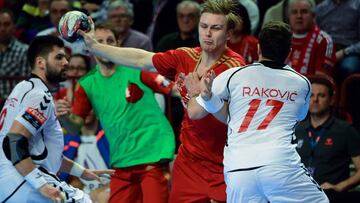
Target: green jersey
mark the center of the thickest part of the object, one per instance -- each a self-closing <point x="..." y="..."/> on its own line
<point x="135" y="127"/>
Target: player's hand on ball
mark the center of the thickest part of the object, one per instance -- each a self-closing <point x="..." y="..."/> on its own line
<point x="89" y="36"/>
<point x="51" y="192"/>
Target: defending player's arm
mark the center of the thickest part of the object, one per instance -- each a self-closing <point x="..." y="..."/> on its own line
<point x="75" y="169"/>
<point x="136" y="58"/>
<point x="202" y="100"/>
<point x="16" y="149"/>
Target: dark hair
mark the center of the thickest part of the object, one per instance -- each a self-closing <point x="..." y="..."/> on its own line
<point x="222" y="7"/>
<point x="107" y="26"/>
<point x="42" y="46"/>
<point x="10" y="12"/>
<point x="324" y="80"/>
<point x="275" y="41"/>
<point x="85" y="58"/>
<point x="241" y="11"/>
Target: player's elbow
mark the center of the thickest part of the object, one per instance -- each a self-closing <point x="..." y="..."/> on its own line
<point x="196" y="114"/>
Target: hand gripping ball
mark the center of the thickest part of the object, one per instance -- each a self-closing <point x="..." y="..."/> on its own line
<point x="70" y="23"/>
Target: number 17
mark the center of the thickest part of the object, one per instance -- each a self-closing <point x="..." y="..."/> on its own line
<point x="254" y="105"/>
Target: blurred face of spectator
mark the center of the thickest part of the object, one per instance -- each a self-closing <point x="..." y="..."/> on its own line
<point x="320" y="99"/>
<point x="213" y="32"/>
<point x="7" y="28"/>
<point x="187" y="18"/>
<point x="91" y="7"/>
<point x="77" y="67"/>
<point x="120" y="19"/>
<point x="105" y="36"/>
<point x="301" y="17"/>
<point x="57" y="9"/>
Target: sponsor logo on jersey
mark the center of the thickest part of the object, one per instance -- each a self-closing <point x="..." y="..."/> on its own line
<point x="34" y="117"/>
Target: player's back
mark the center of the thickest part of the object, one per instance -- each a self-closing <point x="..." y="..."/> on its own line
<point x="264" y="106"/>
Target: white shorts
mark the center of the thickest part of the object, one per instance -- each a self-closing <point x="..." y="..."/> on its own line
<point x="274" y="183"/>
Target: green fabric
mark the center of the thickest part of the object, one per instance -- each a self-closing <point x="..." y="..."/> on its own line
<point x="138" y="133"/>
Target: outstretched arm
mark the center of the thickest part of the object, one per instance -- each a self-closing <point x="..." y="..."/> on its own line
<point x="132" y="57"/>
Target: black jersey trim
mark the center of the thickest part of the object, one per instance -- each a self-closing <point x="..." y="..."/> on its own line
<point x="304" y="78"/>
<point x="44" y="154"/>
<point x="18" y="187"/>
<point x="245" y="169"/>
<point x="32" y="87"/>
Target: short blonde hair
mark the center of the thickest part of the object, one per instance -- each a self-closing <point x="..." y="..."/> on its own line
<point x="222" y="7"/>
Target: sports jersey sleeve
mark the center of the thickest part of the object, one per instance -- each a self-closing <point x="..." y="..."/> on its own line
<point x="81" y="105"/>
<point x="220" y="84"/>
<point x="35" y="111"/>
<point x="166" y="63"/>
<point x="325" y="56"/>
<point x="305" y="107"/>
<point x="156" y="82"/>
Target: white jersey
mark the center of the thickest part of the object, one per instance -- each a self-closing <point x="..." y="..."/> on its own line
<point x="31" y="104"/>
<point x="265" y="104"/>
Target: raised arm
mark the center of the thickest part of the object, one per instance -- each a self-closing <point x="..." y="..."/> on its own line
<point x="132" y="57"/>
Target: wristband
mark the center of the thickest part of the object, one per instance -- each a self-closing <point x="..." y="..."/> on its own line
<point x="77" y="170"/>
<point x="35" y="178"/>
<point x="213" y="105"/>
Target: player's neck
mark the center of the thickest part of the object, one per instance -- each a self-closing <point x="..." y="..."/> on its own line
<point x="318" y="119"/>
<point x="209" y="58"/>
<point x="107" y="70"/>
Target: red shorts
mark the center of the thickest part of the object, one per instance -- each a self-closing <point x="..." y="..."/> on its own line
<point x="196" y="180"/>
<point x="140" y="184"/>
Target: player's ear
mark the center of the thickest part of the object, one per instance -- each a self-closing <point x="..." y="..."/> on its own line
<point x="40" y="62"/>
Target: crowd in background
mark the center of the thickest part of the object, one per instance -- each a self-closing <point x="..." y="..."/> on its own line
<point x="325" y="48"/>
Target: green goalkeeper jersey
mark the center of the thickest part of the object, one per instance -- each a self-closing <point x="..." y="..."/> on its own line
<point x="135" y="127"/>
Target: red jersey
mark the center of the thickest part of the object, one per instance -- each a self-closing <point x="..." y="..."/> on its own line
<point x="204" y="138"/>
<point x="313" y="52"/>
<point x="247" y="47"/>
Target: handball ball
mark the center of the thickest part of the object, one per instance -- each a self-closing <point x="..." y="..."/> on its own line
<point x="70" y="23"/>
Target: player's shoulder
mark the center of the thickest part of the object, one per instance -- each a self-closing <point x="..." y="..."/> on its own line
<point x="194" y="53"/>
<point x="231" y="59"/>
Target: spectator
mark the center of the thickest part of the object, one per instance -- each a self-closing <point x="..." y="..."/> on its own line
<point x="341" y="19"/>
<point x="57" y="9"/>
<point x="140" y="137"/>
<point x="278" y="12"/>
<point x="79" y="65"/>
<point x="241" y="41"/>
<point x="155" y="18"/>
<point x="312" y="50"/>
<point x="12" y="52"/>
<point x="327" y="145"/>
<point x="33" y="17"/>
<point x="188" y="15"/>
<point x="253" y="13"/>
<point x="121" y="16"/>
<point x="198" y="171"/>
